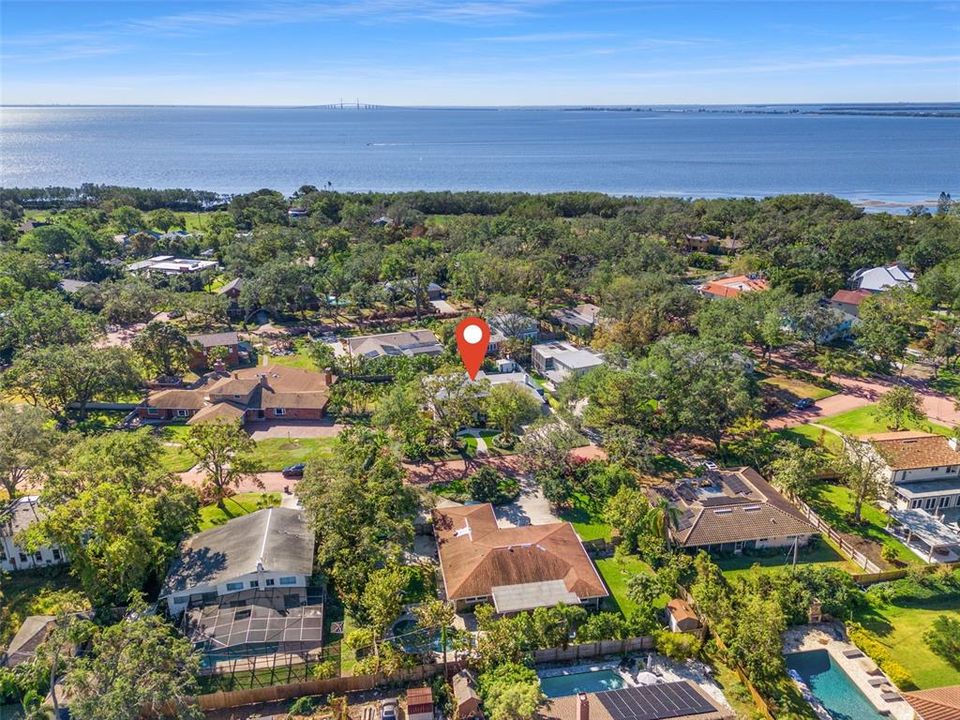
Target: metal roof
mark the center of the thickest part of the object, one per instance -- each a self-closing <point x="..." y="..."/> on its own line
<point x="527" y="596"/>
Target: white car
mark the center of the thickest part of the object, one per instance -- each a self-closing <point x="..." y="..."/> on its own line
<point x="388" y="709"/>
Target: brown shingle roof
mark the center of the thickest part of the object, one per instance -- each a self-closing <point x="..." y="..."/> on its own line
<point x="176" y="399"/>
<point x="476" y="555"/>
<point x="911" y="450"/>
<point x="851" y="297"/>
<point x="211" y="340"/>
<point x="935" y="704"/>
<point x="221" y="411"/>
<point x="565" y="708"/>
<point x="681" y="610"/>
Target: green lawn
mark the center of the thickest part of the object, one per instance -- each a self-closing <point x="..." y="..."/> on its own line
<point x="862" y="421"/>
<point x="587" y="519"/>
<point x="810" y="436"/>
<point x="176" y="458"/>
<point x="823" y="554"/>
<point x="37" y="592"/>
<point x="834" y="503"/>
<point x="299" y="359"/>
<point x="616" y="571"/>
<point x="277" y="453"/>
<point x="901" y="629"/>
<point x="799" y="388"/>
<point x="947" y="382"/>
<point x="470" y="443"/>
<point x="236" y="506"/>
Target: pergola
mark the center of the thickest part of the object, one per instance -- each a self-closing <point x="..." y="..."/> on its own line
<point x="924" y="527"/>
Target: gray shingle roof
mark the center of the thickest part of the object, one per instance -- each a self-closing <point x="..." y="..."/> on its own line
<point x="279" y="539"/>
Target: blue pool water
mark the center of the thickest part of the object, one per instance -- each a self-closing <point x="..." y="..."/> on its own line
<point x="588" y="682"/>
<point x="832" y="686"/>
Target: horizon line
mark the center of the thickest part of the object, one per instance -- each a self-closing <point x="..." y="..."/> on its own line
<point x="575" y="105"/>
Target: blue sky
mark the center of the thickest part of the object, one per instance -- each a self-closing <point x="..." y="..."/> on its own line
<point x="479" y="52"/>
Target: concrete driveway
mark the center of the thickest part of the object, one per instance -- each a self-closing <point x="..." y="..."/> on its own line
<point x="531" y="508"/>
<point x="266" y="429"/>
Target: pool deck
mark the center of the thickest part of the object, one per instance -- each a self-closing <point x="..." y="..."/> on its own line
<point x="824" y="637"/>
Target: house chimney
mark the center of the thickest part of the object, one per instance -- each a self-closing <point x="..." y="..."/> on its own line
<point x="327" y="376"/>
<point x="263" y="380"/>
<point x="218" y="366"/>
<point x="583" y="707"/>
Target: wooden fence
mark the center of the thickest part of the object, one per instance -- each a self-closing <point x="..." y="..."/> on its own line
<point x="339" y="685"/>
<point x="871" y="578"/>
<point x="849" y="550"/>
<point x="592" y="650"/>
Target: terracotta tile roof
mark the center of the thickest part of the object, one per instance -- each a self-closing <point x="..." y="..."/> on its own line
<point x="733" y="286"/>
<point x="850" y="297"/>
<point x="935" y="704"/>
<point x="912" y="450"/>
<point x="476" y="555"/>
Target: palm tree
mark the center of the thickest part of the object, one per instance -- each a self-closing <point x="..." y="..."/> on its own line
<point x="660" y="519"/>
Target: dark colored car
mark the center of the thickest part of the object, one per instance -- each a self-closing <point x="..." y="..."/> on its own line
<point x="804" y="403"/>
<point x="294" y="471"/>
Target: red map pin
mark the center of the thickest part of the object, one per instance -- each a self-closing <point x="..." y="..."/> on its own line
<point x="473" y="337"/>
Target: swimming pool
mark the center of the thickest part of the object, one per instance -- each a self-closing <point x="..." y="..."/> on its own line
<point x="589" y="682"/>
<point x="831" y="685"/>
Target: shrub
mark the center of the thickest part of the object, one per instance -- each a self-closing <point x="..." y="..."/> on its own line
<point x="677" y="646"/>
<point x="868" y="642"/>
<point x="305" y="705"/>
<point x="943" y="638"/>
<point x="324" y="670"/>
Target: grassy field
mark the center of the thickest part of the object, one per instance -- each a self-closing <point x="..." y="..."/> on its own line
<point x="901" y="629"/>
<point x="176" y="458"/>
<point x="277" y="453"/>
<point x="616" y="571"/>
<point x="823" y="554"/>
<point x="799" y="388"/>
<point x="947" y="382"/>
<point x="810" y="436"/>
<point x="834" y="503"/>
<point x="299" y="359"/>
<point x="236" y="506"/>
<point x="37" y="592"/>
<point x="586" y="518"/>
<point x="863" y="421"/>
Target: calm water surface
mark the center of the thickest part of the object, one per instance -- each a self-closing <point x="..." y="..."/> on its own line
<point x="699" y="154"/>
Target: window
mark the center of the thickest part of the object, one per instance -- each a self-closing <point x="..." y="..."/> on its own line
<point x="181" y="413"/>
<point x="235" y="586"/>
<point x="952" y="469"/>
<point x="153" y="411"/>
<point x="270" y="582"/>
<point x="179" y="599"/>
<point x="254" y="583"/>
<point x="930" y="503"/>
<point x="56" y="554"/>
<point x="944" y="501"/>
<point x="915" y="504"/>
<point x="288" y="581"/>
<point x="279" y="411"/>
<point x="38" y="556"/>
<point x="935" y="469"/>
<point x="23" y="557"/>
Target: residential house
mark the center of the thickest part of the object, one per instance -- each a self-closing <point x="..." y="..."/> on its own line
<point x="243" y="588"/>
<point x="517" y="377"/>
<point x="174" y="236"/>
<point x="884" y="277"/>
<point x="267" y="392"/>
<point x="679" y="700"/>
<point x="434" y="291"/>
<point x="578" y="321"/>
<point x="848" y="301"/>
<point x="408" y="343"/>
<point x="732" y="286"/>
<point x="72" y="286"/>
<point x="516" y="568"/>
<point x="16" y="517"/>
<point x="271" y="548"/>
<point x="510" y="325"/>
<point x="467" y="701"/>
<point x="208" y="347"/>
<point x="558" y="360"/>
<point x="30" y="225"/>
<point x="733" y="510"/>
<point x="33" y="633"/>
<point x="170" y="265"/>
<point x="700" y="242"/>
<point x="941" y="703"/>
<point x="232" y="291"/>
<point x="681" y="616"/>
<point x="922" y="470"/>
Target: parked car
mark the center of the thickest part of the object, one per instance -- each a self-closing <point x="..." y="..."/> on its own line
<point x="388" y="709"/>
<point x="711" y="465"/>
<point x="294" y="471"/>
<point x="804" y="403"/>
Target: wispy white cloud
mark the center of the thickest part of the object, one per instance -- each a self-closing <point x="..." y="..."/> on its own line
<point x="545" y="37"/>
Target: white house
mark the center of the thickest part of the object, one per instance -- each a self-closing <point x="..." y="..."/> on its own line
<point x="559" y="360"/>
<point x="268" y="550"/>
<point x="16" y="517"/>
<point x="884" y="277"/>
<point x="922" y="469"/>
<point x="170" y="265"/>
<point x="511" y="325"/>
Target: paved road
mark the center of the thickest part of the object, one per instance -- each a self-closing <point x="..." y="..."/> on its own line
<point x="857" y="393"/>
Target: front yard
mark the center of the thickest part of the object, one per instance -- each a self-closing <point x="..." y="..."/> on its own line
<point x="236" y="506"/>
<point x="863" y="421"/>
<point x="277" y="453"/>
<point x="797" y="388"/>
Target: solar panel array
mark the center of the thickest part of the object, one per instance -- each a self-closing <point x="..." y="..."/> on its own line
<point x="654" y="702"/>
